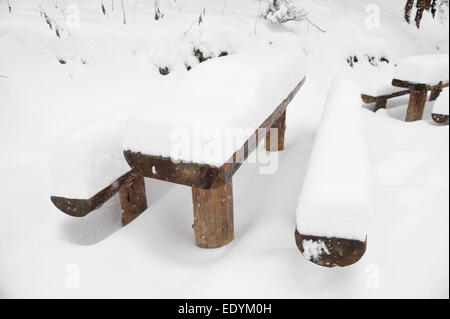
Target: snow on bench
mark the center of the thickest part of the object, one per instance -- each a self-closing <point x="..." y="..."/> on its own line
<point x="88" y="168"/>
<point x="421" y="74"/>
<point x="440" y="113"/>
<point x="230" y="97"/>
<point x="335" y="201"/>
<point x="378" y="88"/>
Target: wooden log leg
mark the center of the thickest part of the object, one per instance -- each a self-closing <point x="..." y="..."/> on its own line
<point x="435" y="92"/>
<point x="330" y="252"/>
<point x="380" y="104"/>
<point x="273" y="143"/>
<point x="133" y="200"/>
<point x="416" y="105"/>
<point x="213" y="216"/>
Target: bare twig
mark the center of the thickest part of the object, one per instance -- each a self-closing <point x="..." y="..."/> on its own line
<point x="315" y="25"/>
<point x="50" y="19"/>
<point x="3" y="76"/>
<point x="123" y="11"/>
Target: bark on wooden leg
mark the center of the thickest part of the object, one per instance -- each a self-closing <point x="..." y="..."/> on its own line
<point x="435" y="92"/>
<point x="416" y="105"/>
<point x="213" y="216"/>
<point x="274" y="143"/>
<point x="133" y="200"/>
<point x="330" y="252"/>
<point x="380" y="104"/>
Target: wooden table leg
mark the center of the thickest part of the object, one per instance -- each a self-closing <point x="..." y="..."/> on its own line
<point x="416" y="105"/>
<point x="213" y="216"/>
<point x="133" y="200"/>
<point x="276" y="144"/>
<point x="380" y="104"/>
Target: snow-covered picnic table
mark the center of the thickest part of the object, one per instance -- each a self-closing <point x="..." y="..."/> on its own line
<point x="198" y="136"/>
<point x="421" y="74"/>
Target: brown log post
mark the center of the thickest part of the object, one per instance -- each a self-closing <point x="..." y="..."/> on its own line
<point x="273" y="143"/>
<point x="133" y="200"/>
<point x="436" y="91"/>
<point x="380" y="104"/>
<point x="340" y="252"/>
<point x="213" y="216"/>
<point x="416" y="105"/>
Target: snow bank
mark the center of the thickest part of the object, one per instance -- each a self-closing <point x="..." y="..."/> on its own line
<point x="441" y="104"/>
<point x="218" y="107"/>
<point x="335" y="199"/>
<point x="428" y="69"/>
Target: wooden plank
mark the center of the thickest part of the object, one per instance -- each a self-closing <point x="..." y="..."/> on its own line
<point x="213" y="216"/>
<point x="368" y="99"/>
<point x="418" y="86"/>
<point x="82" y="207"/>
<point x="341" y="252"/>
<point x="276" y="143"/>
<point x="197" y="175"/>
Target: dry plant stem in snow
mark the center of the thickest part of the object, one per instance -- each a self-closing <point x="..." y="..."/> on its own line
<point x="123" y="11"/>
<point x="9" y="6"/>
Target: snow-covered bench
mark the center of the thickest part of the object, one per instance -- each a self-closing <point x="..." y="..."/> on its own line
<point x="232" y="98"/>
<point x="88" y="168"/>
<point x="421" y="74"/>
<point x="440" y="113"/>
<point x="335" y="201"/>
<point x="378" y="89"/>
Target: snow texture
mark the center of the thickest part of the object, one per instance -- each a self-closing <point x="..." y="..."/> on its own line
<point x="218" y="107"/>
<point x="89" y="158"/>
<point x="441" y="104"/>
<point x="427" y="69"/>
<point x="335" y="200"/>
<point x="377" y="81"/>
<point x="313" y="250"/>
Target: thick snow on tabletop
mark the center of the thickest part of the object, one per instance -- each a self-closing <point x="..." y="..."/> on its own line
<point x="427" y="69"/>
<point x="377" y="81"/>
<point x="441" y="104"/>
<point x="218" y="107"/>
<point x="335" y="199"/>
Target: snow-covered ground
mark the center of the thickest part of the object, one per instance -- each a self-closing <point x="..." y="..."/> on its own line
<point x="49" y="85"/>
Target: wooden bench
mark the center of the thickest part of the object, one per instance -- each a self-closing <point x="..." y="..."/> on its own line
<point x="88" y="169"/>
<point x="381" y="100"/>
<point x="212" y="190"/>
<point x="335" y="201"/>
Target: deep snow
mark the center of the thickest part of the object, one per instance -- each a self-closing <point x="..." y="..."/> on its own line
<point x="44" y="253"/>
